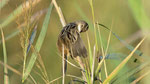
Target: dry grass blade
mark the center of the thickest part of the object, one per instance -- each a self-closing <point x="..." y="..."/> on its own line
<point x="11" y="68"/>
<point x="6" y="78"/>
<point x="122" y="64"/>
<point x="79" y="61"/>
<point x="71" y="63"/>
<point x="18" y="12"/>
<point x="55" y="80"/>
<point x="32" y="79"/>
<point x="63" y="24"/>
<point x="139" y="78"/>
<point x="58" y="9"/>
<point x="17" y="72"/>
<point x="63" y="64"/>
<point x="92" y="71"/>
<point x="68" y="75"/>
<point x="41" y="66"/>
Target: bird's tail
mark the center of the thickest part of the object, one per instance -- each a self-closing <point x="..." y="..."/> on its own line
<point x="78" y="48"/>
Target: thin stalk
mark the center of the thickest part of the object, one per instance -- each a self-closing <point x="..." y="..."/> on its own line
<point x="63" y="64"/>
<point x="93" y="16"/>
<point x="99" y="64"/>
<point x="92" y="72"/>
<point x="108" y="42"/>
<point x="60" y="14"/>
<point x="6" y="78"/>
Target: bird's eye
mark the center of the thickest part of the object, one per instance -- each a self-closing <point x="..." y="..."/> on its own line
<point x="82" y="26"/>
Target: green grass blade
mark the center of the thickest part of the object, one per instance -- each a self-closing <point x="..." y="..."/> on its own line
<point x="139" y="53"/>
<point x="90" y="52"/>
<point x="130" y="72"/>
<point x="3" y="3"/>
<point x="38" y="43"/>
<point x="122" y="64"/>
<point x="93" y="17"/>
<point x="87" y="77"/>
<point x="6" y="78"/>
<point x="18" y="12"/>
<point x="139" y="13"/>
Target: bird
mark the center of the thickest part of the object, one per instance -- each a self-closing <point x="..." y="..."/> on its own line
<point x="69" y="41"/>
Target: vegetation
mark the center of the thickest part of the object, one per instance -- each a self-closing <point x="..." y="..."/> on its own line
<point x="29" y="31"/>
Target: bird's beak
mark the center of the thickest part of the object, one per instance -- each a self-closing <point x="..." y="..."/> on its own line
<point x="79" y="28"/>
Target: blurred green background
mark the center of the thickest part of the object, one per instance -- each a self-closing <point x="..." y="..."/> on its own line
<point x="118" y="12"/>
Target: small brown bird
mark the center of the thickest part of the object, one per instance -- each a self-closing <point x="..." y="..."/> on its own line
<point x="70" y="38"/>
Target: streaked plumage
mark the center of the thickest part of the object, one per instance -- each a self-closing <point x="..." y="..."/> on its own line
<point x="70" y="38"/>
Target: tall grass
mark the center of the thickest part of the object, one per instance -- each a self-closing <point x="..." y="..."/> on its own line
<point x="91" y="70"/>
<point x="38" y="43"/>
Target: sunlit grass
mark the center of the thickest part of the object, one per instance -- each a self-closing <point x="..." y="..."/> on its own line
<point x="90" y="68"/>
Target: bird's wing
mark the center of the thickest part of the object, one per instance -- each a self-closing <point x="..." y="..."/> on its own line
<point x="69" y="34"/>
<point x="78" y="48"/>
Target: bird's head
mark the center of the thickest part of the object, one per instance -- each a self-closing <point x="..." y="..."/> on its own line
<point x="82" y="26"/>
